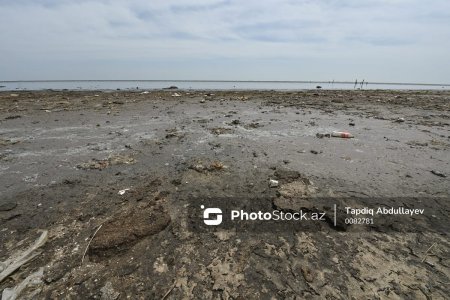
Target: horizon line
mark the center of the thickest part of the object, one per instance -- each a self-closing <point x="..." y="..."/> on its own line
<point x="214" y="80"/>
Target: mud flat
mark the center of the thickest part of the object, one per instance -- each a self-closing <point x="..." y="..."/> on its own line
<point x="112" y="176"/>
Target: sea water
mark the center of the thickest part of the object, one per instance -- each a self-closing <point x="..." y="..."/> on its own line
<point x="209" y="85"/>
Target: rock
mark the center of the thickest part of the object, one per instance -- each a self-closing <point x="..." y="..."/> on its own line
<point x="273" y="183"/>
<point x="172" y="87"/>
<point x="56" y="272"/>
<point x="216" y="165"/>
<point x="322" y="135"/>
<point x="221" y="130"/>
<point x="122" y="192"/>
<point x="13" y="117"/>
<point x="122" y="231"/>
<point x="437" y="173"/>
<point x="7" y="206"/>
<point x="7" y="142"/>
<point x="308" y="274"/>
<point x="198" y="167"/>
<point x="108" y="293"/>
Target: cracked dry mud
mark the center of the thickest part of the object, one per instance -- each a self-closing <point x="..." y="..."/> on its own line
<point x="131" y="162"/>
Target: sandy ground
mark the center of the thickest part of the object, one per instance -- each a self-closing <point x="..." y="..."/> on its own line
<point x="64" y="157"/>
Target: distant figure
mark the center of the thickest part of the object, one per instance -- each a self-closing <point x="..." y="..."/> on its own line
<point x="356" y="82"/>
<point x="362" y="83"/>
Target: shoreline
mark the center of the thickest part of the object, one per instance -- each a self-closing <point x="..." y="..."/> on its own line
<point x="123" y="169"/>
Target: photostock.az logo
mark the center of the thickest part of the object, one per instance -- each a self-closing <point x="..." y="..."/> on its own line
<point x="212" y="211"/>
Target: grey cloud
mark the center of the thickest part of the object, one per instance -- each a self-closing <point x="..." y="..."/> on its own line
<point x="90" y="32"/>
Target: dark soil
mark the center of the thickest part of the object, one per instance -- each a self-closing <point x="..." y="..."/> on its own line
<point x="137" y="163"/>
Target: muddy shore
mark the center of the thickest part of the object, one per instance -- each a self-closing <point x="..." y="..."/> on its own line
<point x="131" y="162"/>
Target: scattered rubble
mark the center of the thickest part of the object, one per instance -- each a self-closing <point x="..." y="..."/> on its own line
<point x="100" y="164"/>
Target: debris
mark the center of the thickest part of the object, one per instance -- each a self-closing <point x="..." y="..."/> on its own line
<point x="123" y="230"/>
<point x="14" y="95"/>
<point x="169" y="290"/>
<point x="7" y="142"/>
<point x="286" y="176"/>
<point x="96" y="164"/>
<point x="33" y="279"/>
<point x="173" y="132"/>
<point x="400" y="120"/>
<point x="87" y="247"/>
<point x="144" y="92"/>
<point x="315" y="152"/>
<point x="318" y="87"/>
<point x="176" y="95"/>
<point x="437" y="173"/>
<point x="351" y="124"/>
<point x="122" y="192"/>
<point x="273" y="183"/>
<point x="235" y="122"/>
<point x="426" y="252"/>
<point x="108" y="293"/>
<point x="322" y="135"/>
<point x="198" y="167"/>
<point x="202" y="101"/>
<point x="252" y="125"/>
<point x="416" y="143"/>
<point x="13" y="263"/>
<point x="341" y="134"/>
<point x="13" y="117"/>
<point x="221" y="130"/>
<point x="216" y="165"/>
<point x="172" y="87"/>
<point x="308" y="274"/>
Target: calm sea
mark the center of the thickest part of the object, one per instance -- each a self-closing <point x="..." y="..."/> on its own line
<point x="208" y="85"/>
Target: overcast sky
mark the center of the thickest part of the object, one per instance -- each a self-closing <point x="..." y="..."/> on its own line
<point x="375" y="40"/>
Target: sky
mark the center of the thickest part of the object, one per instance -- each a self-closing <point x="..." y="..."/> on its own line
<point x="375" y="40"/>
